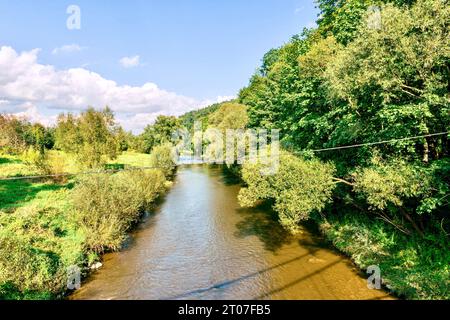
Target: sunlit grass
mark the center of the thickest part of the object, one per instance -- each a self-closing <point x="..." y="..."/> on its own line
<point x="133" y="159"/>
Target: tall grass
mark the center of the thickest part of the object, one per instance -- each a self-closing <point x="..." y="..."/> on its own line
<point x="412" y="267"/>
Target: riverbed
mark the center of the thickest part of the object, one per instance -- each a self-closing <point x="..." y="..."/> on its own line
<point x="199" y="244"/>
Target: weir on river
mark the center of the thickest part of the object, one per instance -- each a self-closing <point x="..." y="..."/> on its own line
<point x="199" y="244"/>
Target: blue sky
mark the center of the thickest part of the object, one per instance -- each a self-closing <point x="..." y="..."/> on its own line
<point x="193" y="51"/>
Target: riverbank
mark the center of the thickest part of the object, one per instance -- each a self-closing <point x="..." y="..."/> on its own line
<point x="48" y="226"/>
<point x="412" y="266"/>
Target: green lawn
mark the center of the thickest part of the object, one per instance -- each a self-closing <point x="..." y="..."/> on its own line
<point x="11" y="166"/>
<point x="133" y="159"/>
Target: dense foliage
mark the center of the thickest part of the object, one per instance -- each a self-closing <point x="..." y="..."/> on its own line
<point x="160" y="132"/>
<point x="90" y="136"/>
<point x="372" y="71"/>
<point x="298" y="188"/>
<point x="329" y="88"/>
<point x="16" y="135"/>
<point x="188" y="119"/>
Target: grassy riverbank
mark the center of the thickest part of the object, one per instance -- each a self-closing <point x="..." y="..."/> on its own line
<point x="47" y="226"/>
<point x="412" y="267"/>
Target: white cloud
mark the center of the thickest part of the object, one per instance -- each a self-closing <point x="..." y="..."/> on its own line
<point x="31" y="89"/>
<point x="68" y="48"/>
<point x="298" y="10"/>
<point x="130" y="62"/>
<point x="225" y="98"/>
<point x="32" y="114"/>
<point x="219" y="99"/>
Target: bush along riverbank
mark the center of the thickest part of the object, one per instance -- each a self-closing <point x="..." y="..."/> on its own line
<point x="414" y="264"/>
<point x="51" y="227"/>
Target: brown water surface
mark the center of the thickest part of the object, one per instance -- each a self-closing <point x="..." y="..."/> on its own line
<point x="199" y="244"/>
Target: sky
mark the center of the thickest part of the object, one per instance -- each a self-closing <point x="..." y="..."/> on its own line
<point x="140" y="57"/>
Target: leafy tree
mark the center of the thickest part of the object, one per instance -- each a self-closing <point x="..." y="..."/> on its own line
<point x="343" y="18"/>
<point x="18" y="134"/>
<point x="298" y="188"/>
<point x="394" y="81"/>
<point x="229" y="116"/>
<point x="90" y="136"/>
<point x="349" y="82"/>
<point x="160" y="132"/>
<point x="11" y="134"/>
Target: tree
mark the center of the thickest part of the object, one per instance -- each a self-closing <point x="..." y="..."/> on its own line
<point x="90" y="136"/>
<point x="349" y="82"/>
<point x="298" y="188"/>
<point x="12" y="134"/>
<point x="160" y="132"/>
<point x="229" y="116"/>
<point x="394" y="81"/>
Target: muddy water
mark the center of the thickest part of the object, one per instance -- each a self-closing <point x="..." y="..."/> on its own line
<point x="199" y="244"/>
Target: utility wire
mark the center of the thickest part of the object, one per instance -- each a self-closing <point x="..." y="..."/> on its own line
<point x="375" y="143"/>
<point x="149" y="168"/>
<point x="77" y="174"/>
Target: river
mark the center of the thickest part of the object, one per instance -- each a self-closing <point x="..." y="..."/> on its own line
<point x="199" y="244"/>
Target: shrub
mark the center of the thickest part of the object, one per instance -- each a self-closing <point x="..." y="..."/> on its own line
<point x="412" y="267"/>
<point x="36" y="159"/>
<point x="26" y="267"/>
<point x="107" y="205"/>
<point x="298" y="188"/>
<point x="162" y="158"/>
<point x="37" y="244"/>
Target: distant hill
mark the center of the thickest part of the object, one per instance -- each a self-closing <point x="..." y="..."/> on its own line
<point x="188" y="119"/>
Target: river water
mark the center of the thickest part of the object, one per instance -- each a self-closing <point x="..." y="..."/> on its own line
<point x="199" y="244"/>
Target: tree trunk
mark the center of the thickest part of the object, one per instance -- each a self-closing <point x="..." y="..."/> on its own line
<point x="426" y="151"/>
<point x="413" y="223"/>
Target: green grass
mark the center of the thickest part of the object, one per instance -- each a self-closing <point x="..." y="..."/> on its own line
<point x="412" y="267"/>
<point x="12" y="166"/>
<point x="133" y="159"/>
<point x="17" y="193"/>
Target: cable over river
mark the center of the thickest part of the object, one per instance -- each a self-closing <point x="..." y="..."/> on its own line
<point x="199" y="244"/>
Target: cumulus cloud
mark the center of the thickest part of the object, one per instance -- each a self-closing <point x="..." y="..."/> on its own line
<point x="130" y="62"/>
<point x="39" y="92"/>
<point x="68" y="48"/>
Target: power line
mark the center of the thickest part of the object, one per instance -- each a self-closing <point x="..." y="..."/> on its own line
<point x="61" y="175"/>
<point x="375" y="143"/>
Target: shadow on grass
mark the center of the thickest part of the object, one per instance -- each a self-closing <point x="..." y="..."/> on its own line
<point x="8" y="161"/>
<point x="15" y="193"/>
